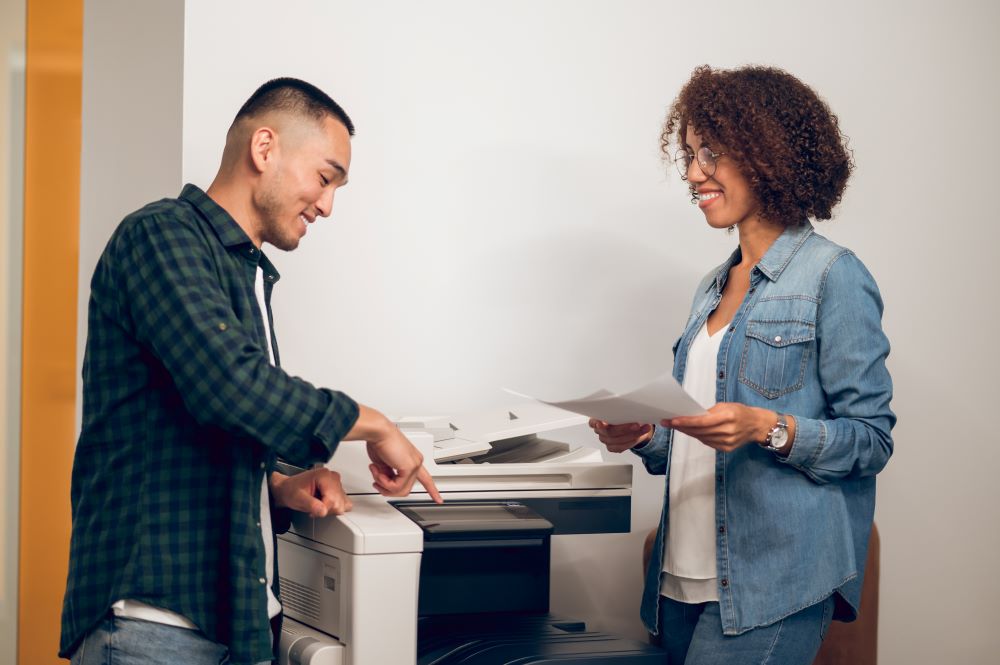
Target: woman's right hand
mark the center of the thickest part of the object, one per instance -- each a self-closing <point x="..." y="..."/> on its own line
<point x="619" y="438"/>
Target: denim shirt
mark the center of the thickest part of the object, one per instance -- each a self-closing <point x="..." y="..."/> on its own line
<point x="806" y="341"/>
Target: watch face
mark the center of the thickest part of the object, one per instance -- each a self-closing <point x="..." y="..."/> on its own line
<point x="779" y="438"/>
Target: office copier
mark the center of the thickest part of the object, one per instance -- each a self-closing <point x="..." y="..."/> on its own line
<point x="405" y="581"/>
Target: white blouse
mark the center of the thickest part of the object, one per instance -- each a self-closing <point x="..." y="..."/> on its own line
<point x="689" y="571"/>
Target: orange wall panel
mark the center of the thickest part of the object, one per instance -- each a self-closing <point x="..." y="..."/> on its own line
<point x="53" y="89"/>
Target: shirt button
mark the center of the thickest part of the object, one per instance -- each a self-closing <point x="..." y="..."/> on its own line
<point x="223" y="327"/>
<point x="252" y="251"/>
<point x="732" y="328"/>
<point x="722" y="529"/>
<point x="718" y="478"/>
<point x="722" y="374"/>
<point x="263" y="465"/>
<point x="753" y="289"/>
<point x="263" y="581"/>
<point x="258" y="525"/>
<point x="724" y="583"/>
<point x="777" y="338"/>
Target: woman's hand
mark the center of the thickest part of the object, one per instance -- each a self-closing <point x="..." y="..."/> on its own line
<point x="727" y="425"/>
<point x="619" y="438"/>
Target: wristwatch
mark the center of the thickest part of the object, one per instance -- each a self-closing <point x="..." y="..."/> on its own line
<point x="777" y="438"/>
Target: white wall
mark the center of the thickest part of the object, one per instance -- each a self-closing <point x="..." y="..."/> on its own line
<point x="509" y="222"/>
<point x="133" y="68"/>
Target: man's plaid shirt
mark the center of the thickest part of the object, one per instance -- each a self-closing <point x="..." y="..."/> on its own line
<point x="183" y="414"/>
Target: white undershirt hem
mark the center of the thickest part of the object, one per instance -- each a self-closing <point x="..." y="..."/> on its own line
<point x="133" y="609"/>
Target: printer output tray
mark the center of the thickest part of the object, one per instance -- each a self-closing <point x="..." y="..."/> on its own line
<point x="502" y="639"/>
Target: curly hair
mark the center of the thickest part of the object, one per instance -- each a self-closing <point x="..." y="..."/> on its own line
<point x="780" y="134"/>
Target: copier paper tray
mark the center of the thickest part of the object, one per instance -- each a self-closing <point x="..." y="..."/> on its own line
<point x="482" y="556"/>
<point x="504" y="639"/>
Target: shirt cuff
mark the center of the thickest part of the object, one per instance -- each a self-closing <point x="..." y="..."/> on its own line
<point x="656" y="448"/>
<point x="340" y="416"/>
<point x="810" y="440"/>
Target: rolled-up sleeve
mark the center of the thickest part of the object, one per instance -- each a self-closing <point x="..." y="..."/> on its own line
<point x="180" y="312"/>
<point x="654" y="453"/>
<point x="855" y="438"/>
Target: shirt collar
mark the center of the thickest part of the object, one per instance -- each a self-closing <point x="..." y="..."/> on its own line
<point x="231" y="234"/>
<point x="775" y="260"/>
<point x="723" y="272"/>
<point x="779" y="254"/>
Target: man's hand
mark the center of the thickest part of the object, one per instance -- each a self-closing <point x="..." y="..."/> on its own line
<point x="396" y="462"/>
<point x="317" y="492"/>
<point x="619" y="438"/>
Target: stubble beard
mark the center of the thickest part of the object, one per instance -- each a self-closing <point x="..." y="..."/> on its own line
<point x="273" y="231"/>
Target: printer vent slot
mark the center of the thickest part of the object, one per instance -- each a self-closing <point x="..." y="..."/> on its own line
<point x="300" y="598"/>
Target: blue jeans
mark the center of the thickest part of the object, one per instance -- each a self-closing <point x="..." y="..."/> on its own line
<point x="692" y="635"/>
<point x="124" y="641"/>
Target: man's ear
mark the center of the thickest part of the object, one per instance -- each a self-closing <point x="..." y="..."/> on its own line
<point x="262" y="146"/>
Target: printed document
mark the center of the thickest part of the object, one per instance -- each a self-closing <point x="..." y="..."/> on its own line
<point x="661" y="398"/>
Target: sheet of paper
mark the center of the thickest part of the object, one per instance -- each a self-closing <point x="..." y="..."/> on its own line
<point x="659" y="399"/>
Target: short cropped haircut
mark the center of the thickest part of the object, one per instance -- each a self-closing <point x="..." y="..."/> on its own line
<point x="776" y="129"/>
<point x="295" y="96"/>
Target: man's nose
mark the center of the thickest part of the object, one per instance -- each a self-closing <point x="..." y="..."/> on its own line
<point x="325" y="204"/>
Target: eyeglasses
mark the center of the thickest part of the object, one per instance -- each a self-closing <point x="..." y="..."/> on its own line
<point x="707" y="161"/>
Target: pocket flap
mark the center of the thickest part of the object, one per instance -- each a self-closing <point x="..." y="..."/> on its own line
<point x="781" y="333"/>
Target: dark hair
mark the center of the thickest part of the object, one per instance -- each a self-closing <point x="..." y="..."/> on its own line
<point x="297" y="96"/>
<point x="781" y="135"/>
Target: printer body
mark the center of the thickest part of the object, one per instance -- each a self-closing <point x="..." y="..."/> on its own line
<point x="365" y="587"/>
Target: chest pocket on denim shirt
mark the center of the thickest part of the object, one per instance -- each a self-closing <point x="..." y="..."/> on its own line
<point x="775" y="355"/>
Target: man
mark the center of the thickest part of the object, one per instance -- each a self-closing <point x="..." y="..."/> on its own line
<point x="185" y="410"/>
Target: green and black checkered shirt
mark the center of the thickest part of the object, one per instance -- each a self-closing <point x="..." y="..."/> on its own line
<point x="183" y="414"/>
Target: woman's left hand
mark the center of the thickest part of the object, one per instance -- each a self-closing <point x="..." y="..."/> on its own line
<point x="726" y="426"/>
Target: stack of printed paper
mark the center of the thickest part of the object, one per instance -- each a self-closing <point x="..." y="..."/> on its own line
<point x="660" y="399"/>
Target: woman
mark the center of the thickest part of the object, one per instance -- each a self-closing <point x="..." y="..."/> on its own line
<point x="770" y="495"/>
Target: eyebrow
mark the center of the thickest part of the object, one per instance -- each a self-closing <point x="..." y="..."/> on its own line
<point x="704" y="144"/>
